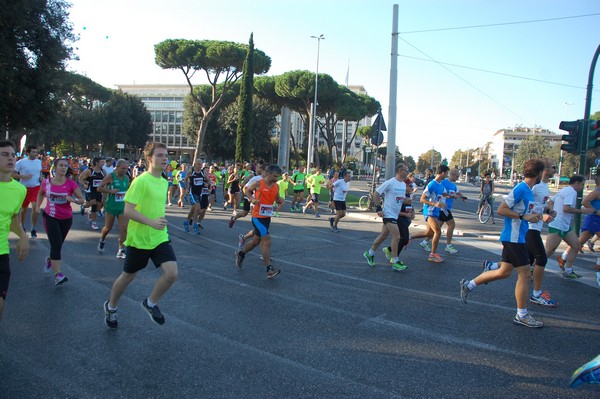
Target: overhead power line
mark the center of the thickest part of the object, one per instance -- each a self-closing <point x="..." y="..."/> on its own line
<point x="492" y="72"/>
<point x="465" y="81"/>
<point x="500" y="24"/>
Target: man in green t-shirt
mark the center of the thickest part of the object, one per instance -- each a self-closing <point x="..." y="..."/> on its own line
<point x="13" y="194"/>
<point x="147" y="236"/>
<point x="299" y="179"/>
<point x="314" y="183"/>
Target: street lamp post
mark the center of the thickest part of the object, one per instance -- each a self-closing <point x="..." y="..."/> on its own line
<point x="313" y="117"/>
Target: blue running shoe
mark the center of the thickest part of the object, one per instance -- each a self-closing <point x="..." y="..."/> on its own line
<point x="589" y="372"/>
<point x="186" y="226"/>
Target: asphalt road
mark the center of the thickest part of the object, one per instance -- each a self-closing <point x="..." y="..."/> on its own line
<point x="328" y="326"/>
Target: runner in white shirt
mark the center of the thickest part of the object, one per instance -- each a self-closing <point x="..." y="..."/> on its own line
<point x="560" y="228"/>
<point x="29" y="172"/>
<point x="340" y="189"/>
<point x="394" y="191"/>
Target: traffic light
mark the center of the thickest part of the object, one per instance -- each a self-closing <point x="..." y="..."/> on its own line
<point x="573" y="139"/>
<point x="593" y="134"/>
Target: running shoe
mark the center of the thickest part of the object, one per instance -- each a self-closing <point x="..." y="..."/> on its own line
<point x="370" y="259"/>
<point x="121" y="254"/>
<point x="304" y="210"/>
<point x="544" y="300"/>
<point x="239" y="259"/>
<point x="210" y="208"/>
<point x="154" y="313"/>
<point x="399" y="266"/>
<point x="100" y="213"/>
<point x="561" y="262"/>
<point x="589" y="372"/>
<point x="110" y="317"/>
<point x="527" y="321"/>
<point x="317" y="215"/>
<point x="95" y="226"/>
<point x="433" y="257"/>
<point x="169" y="204"/>
<point x="196" y="228"/>
<point x="241" y="241"/>
<point x="231" y="222"/>
<point x="101" y="245"/>
<point x="387" y="252"/>
<point x="82" y="210"/>
<point x="47" y="265"/>
<point x="336" y="230"/>
<point x="451" y="249"/>
<point x="186" y="226"/>
<point x="425" y="245"/>
<point x="570" y="276"/>
<point x="590" y="245"/>
<point x="464" y="290"/>
<point x="60" y="278"/>
<point x="272" y="272"/>
<point x="33" y="233"/>
<point x="486" y="265"/>
<point x="331" y="222"/>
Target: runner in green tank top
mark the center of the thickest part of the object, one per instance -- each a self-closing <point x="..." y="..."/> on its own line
<point x="115" y="185"/>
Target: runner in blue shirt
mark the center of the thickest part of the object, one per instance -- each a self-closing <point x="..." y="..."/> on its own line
<point x="434" y="201"/>
<point x="517" y="209"/>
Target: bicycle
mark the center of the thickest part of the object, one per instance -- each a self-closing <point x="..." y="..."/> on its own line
<point x="366" y="202"/>
<point x="485" y="212"/>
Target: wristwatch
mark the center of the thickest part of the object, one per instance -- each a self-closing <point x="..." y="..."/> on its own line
<point x="521" y="216"/>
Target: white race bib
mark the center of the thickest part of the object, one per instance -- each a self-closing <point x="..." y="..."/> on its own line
<point x="205" y="191"/>
<point x="265" y="210"/>
<point x="57" y="198"/>
<point x="96" y="183"/>
<point x="120" y="196"/>
<point x="198" y="181"/>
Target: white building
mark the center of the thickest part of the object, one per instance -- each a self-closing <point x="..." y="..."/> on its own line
<point x="165" y="104"/>
<point x="505" y="144"/>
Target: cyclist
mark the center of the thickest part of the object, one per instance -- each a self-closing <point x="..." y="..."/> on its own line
<point x="487" y="194"/>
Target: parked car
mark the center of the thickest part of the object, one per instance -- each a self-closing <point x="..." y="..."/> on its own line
<point x="419" y="182"/>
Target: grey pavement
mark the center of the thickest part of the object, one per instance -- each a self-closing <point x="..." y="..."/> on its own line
<point x="328" y="326"/>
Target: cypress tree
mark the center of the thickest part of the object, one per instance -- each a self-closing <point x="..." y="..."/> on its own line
<point x="244" y="127"/>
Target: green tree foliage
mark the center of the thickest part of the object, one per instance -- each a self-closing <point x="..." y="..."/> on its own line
<point x="124" y="120"/>
<point x="532" y="147"/>
<point x="221" y="61"/>
<point x="244" y="125"/>
<point x="35" y="43"/>
<point x="221" y="132"/>
<point x="428" y="159"/>
<point x="90" y="116"/>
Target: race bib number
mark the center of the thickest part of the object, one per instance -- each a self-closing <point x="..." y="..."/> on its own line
<point x="205" y="191"/>
<point x="265" y="210"/>
<point x="399" y="200"/>
<point x="300" y="182"/>
<point x="120" y="196"/>
<point x="408" y="209"/>
<point x="198" y="181"/>
<point x="57" y="198"/>
<point x="96" y="183"/>
<point x="535" y="207"/>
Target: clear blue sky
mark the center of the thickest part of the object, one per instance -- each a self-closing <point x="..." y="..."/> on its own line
<point x="445" y="107"/>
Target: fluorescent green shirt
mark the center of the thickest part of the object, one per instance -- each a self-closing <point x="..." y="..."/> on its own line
<point x="315" y="182"/>
<point x="283" y="186"/>
<point x="12" y="193"/>
<point x="149" y="195"/>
